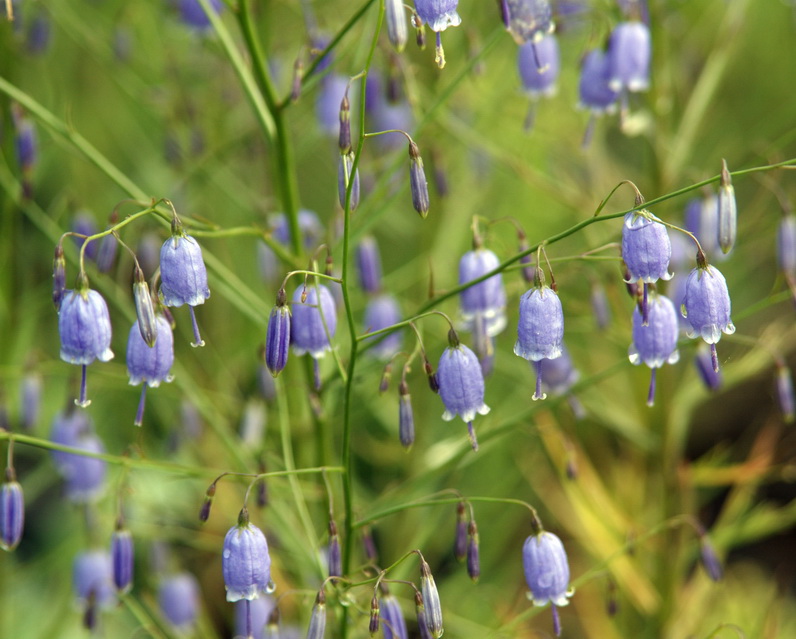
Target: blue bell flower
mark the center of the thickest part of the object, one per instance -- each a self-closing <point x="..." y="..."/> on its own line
<point x="539" y="65"/>
<point x="92" y="579"/>
<point x="646" y="251"/>
<point x="84" y="325"/>
<point x="540" y="330"/>
<point x="369" y="265"/>
<point x="383" y="311"/>
<point x="547" y="572"/>
<point x="313" y="323"/>
<point x="629" y="54"/>
<point x="706" y="307"/>
<point x="85" y="476"/>
<point x="527" y="20"/>
<point x="149" y="365"/>
<point x="461" y="385"/>
<point x="655" y="342"/>
<point x="392" y="618"/>
<point x="178" y="598"/>
<point x="438" y="15"/>
<point x="246" y="563"/>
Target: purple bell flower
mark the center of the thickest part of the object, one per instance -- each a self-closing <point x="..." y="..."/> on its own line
<point x="527" y="20"/>
<point x="183" y="275"/>
<point x="629" y="53"/>
<point x="540" y="330"/>
<point x="383" y="311"/>
<point x="259" y="611"/>
<point x="313" y="324"/>
<point x="92" y="579"/>
<point x="178" y="597"/>
<point x="327" y="106"/>
<point x="655" y="342"/>
<point x="646" y="248"/>
<point x="707" y="306"/>
<point x="369" y="265"/>
<point x="392" y="618"/>
<point x="246" y="563"/>
<point x="539" y="66"/>
<point x="309" y="225"/>
<point x="704" y="365"/>
<point x="149" y="365"/>
<point x="547" y="572"/>
<point x="485" y="302"/>
<point x="193" y="15"/>
<point x="84" y="325"/>
<point x="461" y="385"/>
<point x="122" y="556"/>
<point x="702" y="219"/>
<point x="438" y="15"/>
<point x="559" y="374"/>
<point x="12" y="512"/>
<point x="594" y="91"/>
<point x="85" y="476"/>
<point x="84" y="223"/>
<point x="67" y="428"/>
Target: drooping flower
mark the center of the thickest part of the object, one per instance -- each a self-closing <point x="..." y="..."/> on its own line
<point x="314" y="322"/>
<point x="392" y="618"/>
<point x="438" y="15"/>
<point x="84" y="475"/>
<point x="655" y="342"/>
<point x="461" y="384"/>
<point x="383" y="311"/>
<point x="483" y="305"/>
<point x="539" y="66"/>
<point x="84" y="325"/>
<point x="629" y="54"/>
<point x="178" y="597"/>
<point x="547" y="572"/>
<point x="369" y="265"/>
<point x="527" y="20"/>
<point x="594" y="92"/>
<point x="246" y="563"/>
<point x="277" y="338"/>
<point x="183" y="274"/>
<point x="12" y="512"/>
<point x="706" y="306"/>
<point x="149" y="365"/>
<point x="646" y="251"/>
<point x="92" y="580"/>
<point x="702" y="219"/>
<point x="540" y="330"/>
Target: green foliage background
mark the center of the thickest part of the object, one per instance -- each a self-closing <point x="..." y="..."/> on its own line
<point x="721" y="88"/>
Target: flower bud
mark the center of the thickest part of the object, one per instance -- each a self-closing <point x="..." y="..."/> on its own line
<point x="373" y="624"/>
<point x="710" y="559"/>
<point x="396" y="23"/>
<point x="473" y="554"/>
<point x="460" y="541"/>
<point x="406" y="420"/>
<point x="277" y="339"/>
<point x="343" y="179"/>
<point x="787" y="403"/>
<point x="12" y="512"/>
<point x="122" y="554"/>
<point x="144" y="308"/>
<point x="318" y="619"/>
<point x="106" y="254"/>
<point x="786" y="246"/>
<point x="369" y="545"/>
<point x="420" y="610"/>
<point x="392" y="618"/>
<point x="335" y="557"/>
<point x="433" y="608"/>
<point x="204" y="512"/>
<point x="417" y="181"/>
<point x="728" y="211"/>
<point x="344" y="140"/>
<point x="59" y="276"/>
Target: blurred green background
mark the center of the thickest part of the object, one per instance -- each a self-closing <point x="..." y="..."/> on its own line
<point x="162" y="103"/>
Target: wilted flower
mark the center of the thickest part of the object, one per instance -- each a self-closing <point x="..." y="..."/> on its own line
<point x="246" y="563"/>
<point x="461" y="384"/>
<point x="629" y="53"/>
<point x="84" y="325"/>
<point x="655" y="342"/>
<point x="12" y="512"/>
<point x="178" y="597"/>
<point x="706" y="306"/>
<point x="547" y="572"/>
